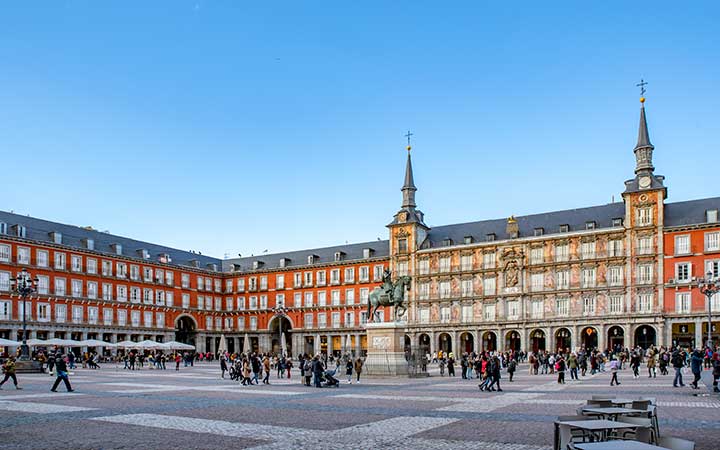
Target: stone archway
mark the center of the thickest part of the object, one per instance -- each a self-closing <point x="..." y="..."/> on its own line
<point x="616" y="338"/>
<point x="645" y="336"/>
<point x="445" y="343"/>
<point x="563" y="339"/>
<point x="537" y="341"/>
<point x="467" y="343"/>
<point x="489" y="341"/>
<point x="512" y="340"/>
<point x="589" y="338"/>
<point x="275" y="326"/>
<point x="186" y="329"/>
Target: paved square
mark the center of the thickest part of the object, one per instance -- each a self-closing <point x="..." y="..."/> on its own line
<point x="195" y="409"/>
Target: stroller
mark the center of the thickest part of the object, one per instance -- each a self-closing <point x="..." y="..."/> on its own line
<point x="328" y="379"/>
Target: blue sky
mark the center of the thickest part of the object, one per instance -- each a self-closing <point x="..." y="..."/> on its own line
<point x="233" y="127"/>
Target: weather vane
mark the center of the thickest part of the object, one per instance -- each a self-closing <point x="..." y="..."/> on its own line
<point x="408" y="138"/>
<point x="642" y="85"/>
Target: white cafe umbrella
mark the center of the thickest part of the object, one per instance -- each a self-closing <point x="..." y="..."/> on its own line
<point x="9" y="343"/>
<point x="283" y="344"/>
<point x="148" y="344"/>
<point x="175" y="345"/>
<point x="246" y="344"/>
<point x="71" y="343"/>
<point x="35" y="342"/>
<point x="96" y="343"/>
<point x="127" y="344"/>
<point x="223" y="344"/>
<point x="348" y="344"/>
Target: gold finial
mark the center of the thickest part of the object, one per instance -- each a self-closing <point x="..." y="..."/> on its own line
<point x="408" y="138"/>
<point x="511" y="219"/>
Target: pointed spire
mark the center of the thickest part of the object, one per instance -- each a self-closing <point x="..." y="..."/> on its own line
<point x="409" y="188"/>
<point x="643" y="149"/>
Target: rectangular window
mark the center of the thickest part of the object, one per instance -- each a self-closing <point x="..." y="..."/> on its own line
<point x="43" y="287"/>
<point x="713" y="267"/>
<point x="135" y="273"/>
<point x="588" y="277"/>
<point x="135" y="318"/>
<point x="5" y="253"/>
<point x="350" y="275"/>
<point x="43" y="312"/>
<point x="536" y="255"/>
<point x="107" y="316"/>
<point x="92" y="290"/>
<point x="363" y="317"/>
<point x="148" y="296"/>
<point x="148" y="319"/>
<point x="60" y="261"/>
<point x="682" y="302"/>
<point x="488" y="260"/>
<point x="147" y="274"/>
<point x="335" y="276"/>
<point x="135" y="294"/>
<point x="467" y="313"/>
<point x="60" y="286"/>
<point x="77" y="288"/>
<point x="308" y="299"/>
<point x="23" y="255"/>
<point x="160" y="297"/>
<point x="217" y="284"/>
<point x="159" y="276"/>
<point x="253" y="304"/>
<point x="562" y="307"/>
<point x="445" y="264"/>
<point x="241" y="284"/>
<point x="644" y="217"/>
<point x="489" y="312"/>
<point x="336" y="320"/>
<point x="536" y="309"/>
<point x="424" y="266"/>
<point x="616" y="304"/>
<point x="76" y="263"/>
<point x="122" y="317"/>
<point x="185" y="281"/>
<point x="682" y="245"/>
<point x="5" y="281"/>
<point x="645" y="245"/>
<point x="42" y="258"/>
<point x="228" y="286"/>
<point x="60" y="313"/>
<point x="280" y="300"/>
<point x="378" y="272"/>
<point x="241" y="323"/>
<point x="402" y="246"/>
<point x="160" y="320"/>
<point x="263" y="302"/>
<point x="308" y="320"/>
<point x="77" y="314"/>
<point x="350" y="319"/>
<point x="614" y="247"/>
<point x="122" y="293"/>
<point x="444" y="289"/>
<point x="297" y="299"/>
<point x="350" y="296"/>
<point x="121" y="270"/>
<point x="279" y="281"/>
<point x="320" y="276"/>
<point x="322" y="320"/>
<point x="645" y="273"/>
<point x="466" y="262"/>
<point x="562" y="252"/>
<point x="682" y="272"/>
<point x="169" y="298"/>
<point x="424" y="288"/>
<point x="645" y="303"/>
<point x="186" y="301"/>
<point x="513" y="309"/>
<point x="588" y="250"/>
<point x="589" y="306"/>
<point x="335" y="297"/>
<point x="536" y="282"/>
<point x="364" y="292"/>
<point x="615" y="276"/>
<point x="466" y="287"/>
<point x="424" y="315"/>
<point x="563" y="279"/>
<point x="169" y="278"/>
<point x="489" y="286"/>
<point x="308" y="276"/>
<point x="107" y="268"/>
<point x="712" y="241"/>
<point x="445" y="314"/>
<point x="93" y="315"/>
<point x="322" y="298"/>
<point x="91" y="264"/>
<point x="263" y="283"/>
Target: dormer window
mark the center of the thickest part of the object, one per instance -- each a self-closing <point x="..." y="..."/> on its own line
<point x="564" y="228"/>
<point x="212" y="267"/>
<point x="257" y="265"/>
<point x="143" y="253"/>
<point x="236" y="267"/>
<point x="56" y="237"/>
<point x="447" y="242"/>
<point x="468" y="240"/>
<point x="164" y="258"/>
<point x="711" y="215"/>
<point x="284" y="262"/>
<point x="590" y="225"/>
<point x="539" y="231"/>
<point x="3" y="228"/>
<point x="88" y="244"/>
<point x="116" y="248"/>
<point x="338" y="256"/>
<point x="194" y="263"/>
<point x="367" y="253"/>
<point x="19" y="231"/>
<point x="617" y="222"/>
<point x="490" y="237"/>
<point x="311" y="259"/>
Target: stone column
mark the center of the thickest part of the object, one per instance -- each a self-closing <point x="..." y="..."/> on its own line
<point x="433" y="344"/>
<point x="316" y="344"/>
<point x="329" y="345"/>
<point x="601" y="337"/>
<point x="698" y="333"/>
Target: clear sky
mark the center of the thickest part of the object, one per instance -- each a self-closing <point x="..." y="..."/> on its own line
<point x="233" y="127"/>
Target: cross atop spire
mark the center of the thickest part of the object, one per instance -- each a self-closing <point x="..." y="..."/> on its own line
<point x="642" y="85"/>
<point x="408" y="138"/>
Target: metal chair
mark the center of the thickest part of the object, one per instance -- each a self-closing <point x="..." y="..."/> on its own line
<point x="643" y="433"/>
<point x="567" y="438"/>
<point x="574" y="433"/>
<point x="641" y="404"/>
<point x="600" y="403"/>
<point x="674" y="443"/>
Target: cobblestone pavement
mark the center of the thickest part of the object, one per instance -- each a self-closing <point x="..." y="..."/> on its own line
<point x="195" y="409"/>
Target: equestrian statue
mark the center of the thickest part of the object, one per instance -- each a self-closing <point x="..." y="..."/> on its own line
<point x="388" y="294"/>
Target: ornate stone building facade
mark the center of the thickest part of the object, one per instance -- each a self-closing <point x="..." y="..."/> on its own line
<point x="618" y="274"/>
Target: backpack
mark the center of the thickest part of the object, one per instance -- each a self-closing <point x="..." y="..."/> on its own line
<point x="557" y="365"/>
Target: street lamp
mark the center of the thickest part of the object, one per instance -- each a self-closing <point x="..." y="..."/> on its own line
<point x="280" y="312"/>
<point x="709" y="286"/>
<point x="24" y="286"/>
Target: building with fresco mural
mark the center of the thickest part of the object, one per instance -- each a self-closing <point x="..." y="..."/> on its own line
<point x="623" y="273"/>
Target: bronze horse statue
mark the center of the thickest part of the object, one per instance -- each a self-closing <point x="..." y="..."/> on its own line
<point x="395" y="297"/>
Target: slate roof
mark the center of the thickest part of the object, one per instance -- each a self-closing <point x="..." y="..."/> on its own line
<point x="72" y="236"/>
<point x="550" y="222"/>
<point x="691" y="212"/>
<point x="300" y="257"/>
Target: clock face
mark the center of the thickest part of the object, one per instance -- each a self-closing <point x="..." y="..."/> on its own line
<point x="644" y="182"/>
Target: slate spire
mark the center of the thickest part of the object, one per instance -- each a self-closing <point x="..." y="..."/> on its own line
<point x="643" y="149"/>
<point x="408" y="188"/>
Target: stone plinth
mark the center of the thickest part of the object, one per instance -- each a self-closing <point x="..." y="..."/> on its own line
<point x="28" y="367"/>
<point x="386" y="349"/>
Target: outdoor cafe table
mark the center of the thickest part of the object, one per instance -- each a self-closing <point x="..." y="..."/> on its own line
<point x="611" y="413"/>
<point x="615" y="445"/>
<point x="622" y="401"/>
<point x="597" y="429"/>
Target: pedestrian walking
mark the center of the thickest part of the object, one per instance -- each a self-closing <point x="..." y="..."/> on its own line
<point x="678" y="362"/>
<point x="614" y="365"/>
<point x="349" y="370"/>
<point x="358" y="369"/>
<point x="560" y="367"/>
<point x="62" y="374"/>
<point x="223" y="367"/>
<point x="266" y="369"/>
<point x="178" y="359"/>
<point x="512" y="365"/>
<point x="696" y="361"/>
<point x="9" y="371"/>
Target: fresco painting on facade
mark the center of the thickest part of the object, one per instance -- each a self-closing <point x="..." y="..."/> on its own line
<point x="624" y="273"/>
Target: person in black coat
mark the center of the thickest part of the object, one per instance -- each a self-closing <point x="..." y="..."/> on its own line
<point x="62" y="374"/>
<point x="317" y="368"/>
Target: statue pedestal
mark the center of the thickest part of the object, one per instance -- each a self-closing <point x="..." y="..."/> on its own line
<point x="386" y="350"/>
<point x="28" y="367"/>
